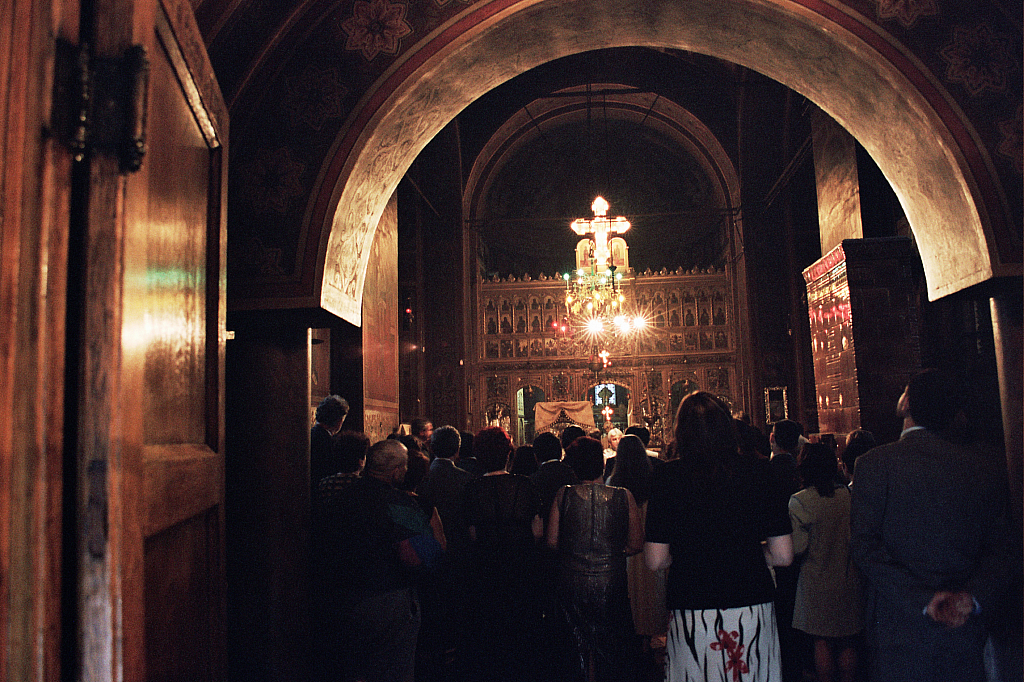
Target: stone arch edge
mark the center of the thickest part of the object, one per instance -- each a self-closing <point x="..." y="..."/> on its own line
<point x="950" y="219"/>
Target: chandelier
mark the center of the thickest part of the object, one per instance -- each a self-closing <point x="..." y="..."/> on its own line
<point x="596" y="297"/>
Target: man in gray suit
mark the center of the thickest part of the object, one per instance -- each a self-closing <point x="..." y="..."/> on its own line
<point x="930" y="534"/>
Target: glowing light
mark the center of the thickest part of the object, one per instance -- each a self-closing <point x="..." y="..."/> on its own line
<point x="595" y="295"/>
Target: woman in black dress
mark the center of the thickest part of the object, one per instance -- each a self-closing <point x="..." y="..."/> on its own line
<point x="594" y="527"/>
<point x="502" y="510"/>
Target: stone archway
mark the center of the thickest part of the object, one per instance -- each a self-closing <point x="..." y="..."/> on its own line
<point x="835" y="59"/>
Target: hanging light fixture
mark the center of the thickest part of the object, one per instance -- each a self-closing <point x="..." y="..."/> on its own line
<point x="595" y="292"/>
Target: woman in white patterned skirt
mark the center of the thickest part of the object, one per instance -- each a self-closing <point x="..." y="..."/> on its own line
<point x="717" y="522"/>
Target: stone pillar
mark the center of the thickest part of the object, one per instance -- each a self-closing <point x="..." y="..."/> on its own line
<point x="1006" y="330"/>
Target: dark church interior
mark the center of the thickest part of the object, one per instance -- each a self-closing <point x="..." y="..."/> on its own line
<point x="332" y="192"/>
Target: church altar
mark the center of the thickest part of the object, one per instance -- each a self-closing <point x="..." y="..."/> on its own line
<point x="556" y="415"/>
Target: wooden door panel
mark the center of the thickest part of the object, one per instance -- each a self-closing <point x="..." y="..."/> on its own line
<point x="170" y="271"/>
<point x="174" y="219"/>
<point x="181" y="624"/>
<point x="152" y="588"/>
<point x="180" y="482"/>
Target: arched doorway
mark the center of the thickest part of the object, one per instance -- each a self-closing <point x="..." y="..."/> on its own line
<point x="499" y="414"/>
<point x="527" y="398"/>
<point x="923" y="147"/>
<point x="680" y="389"/>
<point x="611" y="405"/>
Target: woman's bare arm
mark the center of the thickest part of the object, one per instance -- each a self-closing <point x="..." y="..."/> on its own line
<point x="656" y="555"/>
<point x="635" y="543"/>
<point x="553" y="521"/>
<point x="778" y="551"/>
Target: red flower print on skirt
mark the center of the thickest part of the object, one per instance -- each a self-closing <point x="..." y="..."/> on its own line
<point x="728" y="642"/>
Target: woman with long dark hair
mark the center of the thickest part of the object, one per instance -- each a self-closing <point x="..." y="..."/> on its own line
<point x="633" y="471"/>
<point x="716" y="523"/>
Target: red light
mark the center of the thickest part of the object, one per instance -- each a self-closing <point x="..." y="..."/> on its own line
<point x="408" y="311"/>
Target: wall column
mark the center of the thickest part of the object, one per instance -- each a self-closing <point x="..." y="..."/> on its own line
<point x="1006" y="330"/>
<point x="267" y="500"/>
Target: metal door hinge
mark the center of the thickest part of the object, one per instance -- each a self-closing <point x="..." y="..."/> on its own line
<point x="100" y="103"/>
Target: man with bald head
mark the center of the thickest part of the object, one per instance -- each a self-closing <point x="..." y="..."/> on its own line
<point x="375" y="537"/>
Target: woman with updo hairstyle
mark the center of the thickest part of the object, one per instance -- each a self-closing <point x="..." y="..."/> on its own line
<point x="716" y="522"/>
<point x="828" y="590"/>
<point x="594" y="527"/>
<point x="502" y="510"/>
<point x="633" y="471"/>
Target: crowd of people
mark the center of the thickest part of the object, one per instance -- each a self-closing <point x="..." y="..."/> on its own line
<point x="735" y="555"/>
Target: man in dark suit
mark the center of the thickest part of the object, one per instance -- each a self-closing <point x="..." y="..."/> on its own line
<point x="329" y="418"/>
<point x="442" y="594"/>
<point x="785" y="446"/>
<point x="553" y="474"/>
<point x="930" y="534"/>
<point x="443" y="484"/>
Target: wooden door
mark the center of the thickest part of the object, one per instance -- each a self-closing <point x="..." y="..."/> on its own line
<point x="150" y="428"/>
<point x="35" y="181"/>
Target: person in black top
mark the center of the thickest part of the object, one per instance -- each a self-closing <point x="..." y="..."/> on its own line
<point x="329" y="418"/>
<point x="552" y="473"/>
<point x="502" y="511"/>
<point x="785" y="446"/>
<point x="715" y="521"/>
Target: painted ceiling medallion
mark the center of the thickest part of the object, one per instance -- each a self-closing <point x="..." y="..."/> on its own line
<point x="907" y="12"/>
<point x="979" y="59"/>
<point x="376" y="27"/>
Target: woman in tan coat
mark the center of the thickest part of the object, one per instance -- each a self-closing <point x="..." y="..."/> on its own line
<point x="829" y="601"/>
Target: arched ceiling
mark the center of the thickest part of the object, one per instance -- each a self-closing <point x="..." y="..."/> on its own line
<point x="661" y="189"/>
<point x="643" y="153"/>
<point x="314" y="86"/>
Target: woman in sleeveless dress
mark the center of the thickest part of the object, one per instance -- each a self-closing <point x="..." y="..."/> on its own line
<point x="594" y="527"/>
